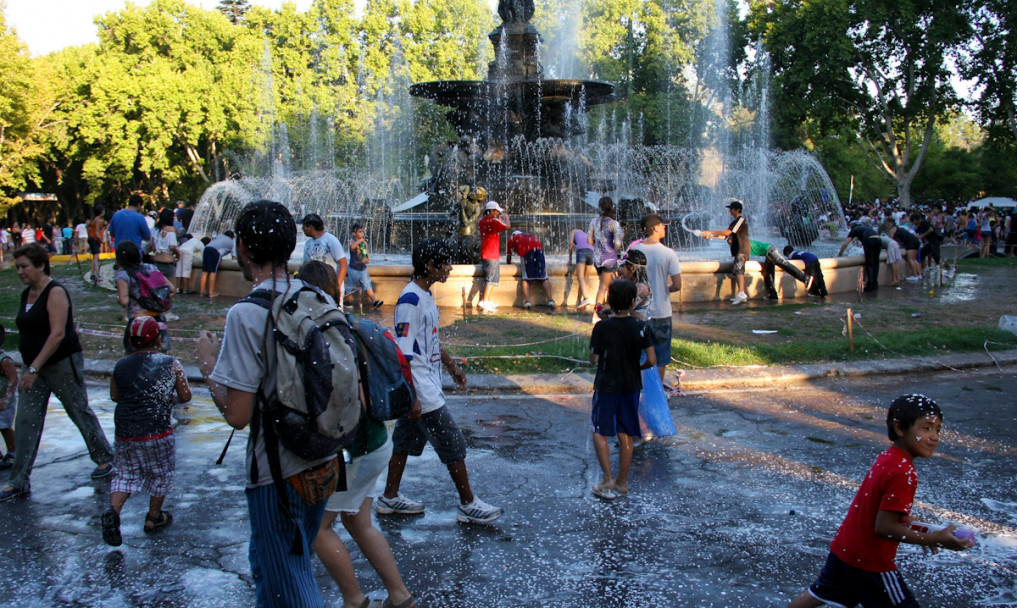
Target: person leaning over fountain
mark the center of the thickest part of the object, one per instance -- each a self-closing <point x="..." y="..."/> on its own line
<point x="871" y="245"/>
<point x="430" y="421"/>
<point x="324" y="246"/>
<point x="664" y="274"/>
<point x="531" y="253"/>
<point x="494" y="222"/>
<point x="813" y="268"/>
<point x="737" y="235"/>
<point x="773" y="259"/>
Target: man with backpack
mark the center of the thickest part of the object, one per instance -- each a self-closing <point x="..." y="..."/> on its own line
<point x="416" y="326"/>
<point x="286" y="492"/>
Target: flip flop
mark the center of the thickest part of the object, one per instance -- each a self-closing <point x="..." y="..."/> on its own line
<point x="606" y="493"/>
<point x="111" y="528"/>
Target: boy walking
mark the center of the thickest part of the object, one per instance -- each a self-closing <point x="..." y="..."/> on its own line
<point x="142" y="386"/>
<point x="860" y="567"/>
<point x="615" y="348"/>
<point x="358" y="279"/>
<point x="416" y="328"/>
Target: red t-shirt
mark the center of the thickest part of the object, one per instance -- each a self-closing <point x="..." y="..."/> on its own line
<point x="490" y="242"/>
<point x="889" y="486"/>
<point x="523" y="243"/>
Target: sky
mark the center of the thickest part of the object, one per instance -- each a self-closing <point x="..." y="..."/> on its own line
<point x="50" y="25"/>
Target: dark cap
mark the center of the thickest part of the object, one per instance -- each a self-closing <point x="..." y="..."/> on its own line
<point x="651" y="220"/>
<point x="736" y="204"/>
<point x="314" y="220"/>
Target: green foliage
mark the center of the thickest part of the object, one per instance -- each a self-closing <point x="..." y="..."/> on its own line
<point x="990" y="59"/>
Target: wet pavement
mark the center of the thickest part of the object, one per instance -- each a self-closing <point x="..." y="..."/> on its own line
<point x="736" y="510"/>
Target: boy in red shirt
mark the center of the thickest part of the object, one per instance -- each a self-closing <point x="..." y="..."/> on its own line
<point x="527" y="246"/>
<point x="860" y="568"/>
<point x="490" y="226"/>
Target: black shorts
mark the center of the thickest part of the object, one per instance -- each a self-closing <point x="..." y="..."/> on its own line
<point x="210" y="260"/>
<point x="842" y="585"/>
<point x="437" y="428"/>
<point x="94" y="246"/>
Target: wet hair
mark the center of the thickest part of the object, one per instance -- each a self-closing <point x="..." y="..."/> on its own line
<point x="636" y="259"/>
<point x="128" y="254"/>
<point x="268" y="232"/>
<point x="429" y="250"/>
<point x="907" y="409"/>
<point x="606" y="206"/>
<point x="135" y="200"/>
<point x="165" y="218"/>
<point x="621" y="294"/>
<point x="98" y="210"/>
<point x="788" y="250"/>
<point x="205" y="240"/>
<point x="36" y="254"/>
<point x="356" y="227"/>
<point x="320" y="275"/>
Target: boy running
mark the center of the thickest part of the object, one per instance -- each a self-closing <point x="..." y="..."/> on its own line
<point x="615" y="348"/>
<point x="860" y="567"/>
<point x="142" y="386"/>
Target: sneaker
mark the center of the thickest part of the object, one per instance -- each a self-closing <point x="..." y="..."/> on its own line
<point x="809" y="280"/>
<point x="487" y="306"/>
<point x="551" y="304"/>
<point x="913" y="278"/>
<point x="527" y="305"/>
<point x="111" y="528"/>
<point x="399" y="505"/>
<point x="741" y="298"/>
<point x="172" y="317"/>
<point x="377" y="304"/>
<point x="7" y="461"/>
<point x="478" y="512"/>
<point x="12" y="493"/>
<point x="100" y="473"/>
<point x="584" y="303"/>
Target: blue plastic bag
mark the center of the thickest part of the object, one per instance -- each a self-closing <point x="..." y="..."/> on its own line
<point x="654" y="414"/>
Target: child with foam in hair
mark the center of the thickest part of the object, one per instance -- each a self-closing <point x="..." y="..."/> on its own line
<point x="860" y="567"/>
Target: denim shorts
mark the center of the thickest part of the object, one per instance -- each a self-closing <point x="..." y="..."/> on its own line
<point x="660" y="332"/>
<point x="584" y="256"/>
<point x="437" y="428"/>
<point x="357" y="278"/>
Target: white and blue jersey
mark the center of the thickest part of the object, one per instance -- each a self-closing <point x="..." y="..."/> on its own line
<point x="416" y="330"/>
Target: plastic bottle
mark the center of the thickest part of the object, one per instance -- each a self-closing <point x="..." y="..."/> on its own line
<point x="927" y="528"/>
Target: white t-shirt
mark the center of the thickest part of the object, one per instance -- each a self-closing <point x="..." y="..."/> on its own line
<point x="416" y="330"/>
<point x="163" y="240"/>
<point x="81" y="231"/>
<point x="661" y="264"/>
<point x="243" y="365"/>
<point x="325" y="248"/>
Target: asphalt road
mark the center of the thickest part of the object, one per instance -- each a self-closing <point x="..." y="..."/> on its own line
<point x="709" y="520"/>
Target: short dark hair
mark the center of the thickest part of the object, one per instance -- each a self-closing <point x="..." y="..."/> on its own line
<point x="906" y="409"/>
<point x="165" y="218"/>
<point x="98" y="210"/>
<point x="621" y="294"/>
<point x="357" y="226"/>
<point x="267" y="230"/>
<point x="788" y="250"/>
<point x="320" y="275"/>
<point x="128" y="255"/>
<point x="135" y="200"/>
<point x="36" y="254"/>
<point x="429" y="250"/>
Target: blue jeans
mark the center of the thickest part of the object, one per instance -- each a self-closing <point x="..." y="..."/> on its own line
<point x="281" y="579"/>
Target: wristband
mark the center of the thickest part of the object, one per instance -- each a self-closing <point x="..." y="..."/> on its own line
<point x="32" y="370"/>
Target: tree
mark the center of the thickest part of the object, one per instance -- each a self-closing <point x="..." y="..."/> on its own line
<point x="234" y="10"/>
<point x="991" y="61"/>
<point x="880" y="68"/>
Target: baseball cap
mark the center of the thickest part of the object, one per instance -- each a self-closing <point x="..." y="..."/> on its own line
<point x="735" y="204"/>
<point x="515" y="232"/>
<point x="143" y="330"/>
<point x="651" y="220"/>
<point x="493" y="205"/>
<point x="314" y="220"/>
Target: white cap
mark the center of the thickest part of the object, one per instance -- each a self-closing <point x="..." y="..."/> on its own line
<point x="515" y="232"/>
<point x="493" y="205"/>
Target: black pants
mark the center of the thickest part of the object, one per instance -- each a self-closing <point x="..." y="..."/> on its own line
<point x="872" y="247"/>
<point x="815" y="270"/>
<point x="774" y="259"/>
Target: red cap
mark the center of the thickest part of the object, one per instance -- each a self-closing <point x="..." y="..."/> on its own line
<point x="143" y="330"/>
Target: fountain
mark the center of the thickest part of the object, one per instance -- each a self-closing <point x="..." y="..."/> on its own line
<point x="525" y="139"/>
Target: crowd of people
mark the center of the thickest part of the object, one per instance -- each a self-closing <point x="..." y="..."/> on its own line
<point x="293" y="520"/>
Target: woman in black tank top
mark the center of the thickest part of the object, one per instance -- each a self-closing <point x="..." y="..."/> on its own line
<point x="53" y="362"/>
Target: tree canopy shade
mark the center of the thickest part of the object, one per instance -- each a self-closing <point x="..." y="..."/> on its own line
<point x="880" y="68"/>
<point x="991" y="61"/>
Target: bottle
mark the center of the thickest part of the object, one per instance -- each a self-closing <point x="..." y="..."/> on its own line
<point x="927" y="528"/>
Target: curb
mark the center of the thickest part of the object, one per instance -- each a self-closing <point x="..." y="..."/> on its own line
<point x="695" y="380"/>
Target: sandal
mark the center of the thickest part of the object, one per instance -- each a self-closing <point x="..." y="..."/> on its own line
<point x="602" y="490"/>
<point x="111" y="528"/>
<point x="165" y="518"/>
<point x="409" y="602"/>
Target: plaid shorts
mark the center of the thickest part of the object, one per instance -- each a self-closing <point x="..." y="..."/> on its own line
<point x="146" y="465"/>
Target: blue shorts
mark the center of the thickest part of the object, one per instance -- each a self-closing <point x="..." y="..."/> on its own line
<point x="357" y="278"/>
<point x="613" y="414"/>
<point x="210" y="259"/>
<point x="7" y="414"/>
<point x="492" y="271"/>
<point x="438" y="428"/>
<point x="534" y="266"/>
<point x="584" y="256"/>
<point x="842" y="585"/>
<point x="660" y="332"/>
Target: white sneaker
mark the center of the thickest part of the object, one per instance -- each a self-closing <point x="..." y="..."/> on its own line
<point x="912" y="278"/>
<point x="741" y="298"/>
<point x="584" y="303"/>
<point x="487" y="305"/>
<point x="398" y="505"/>
<point x="527" y="305"/>
<point x="478" y="512"/>
<point x="551" y="304"/>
